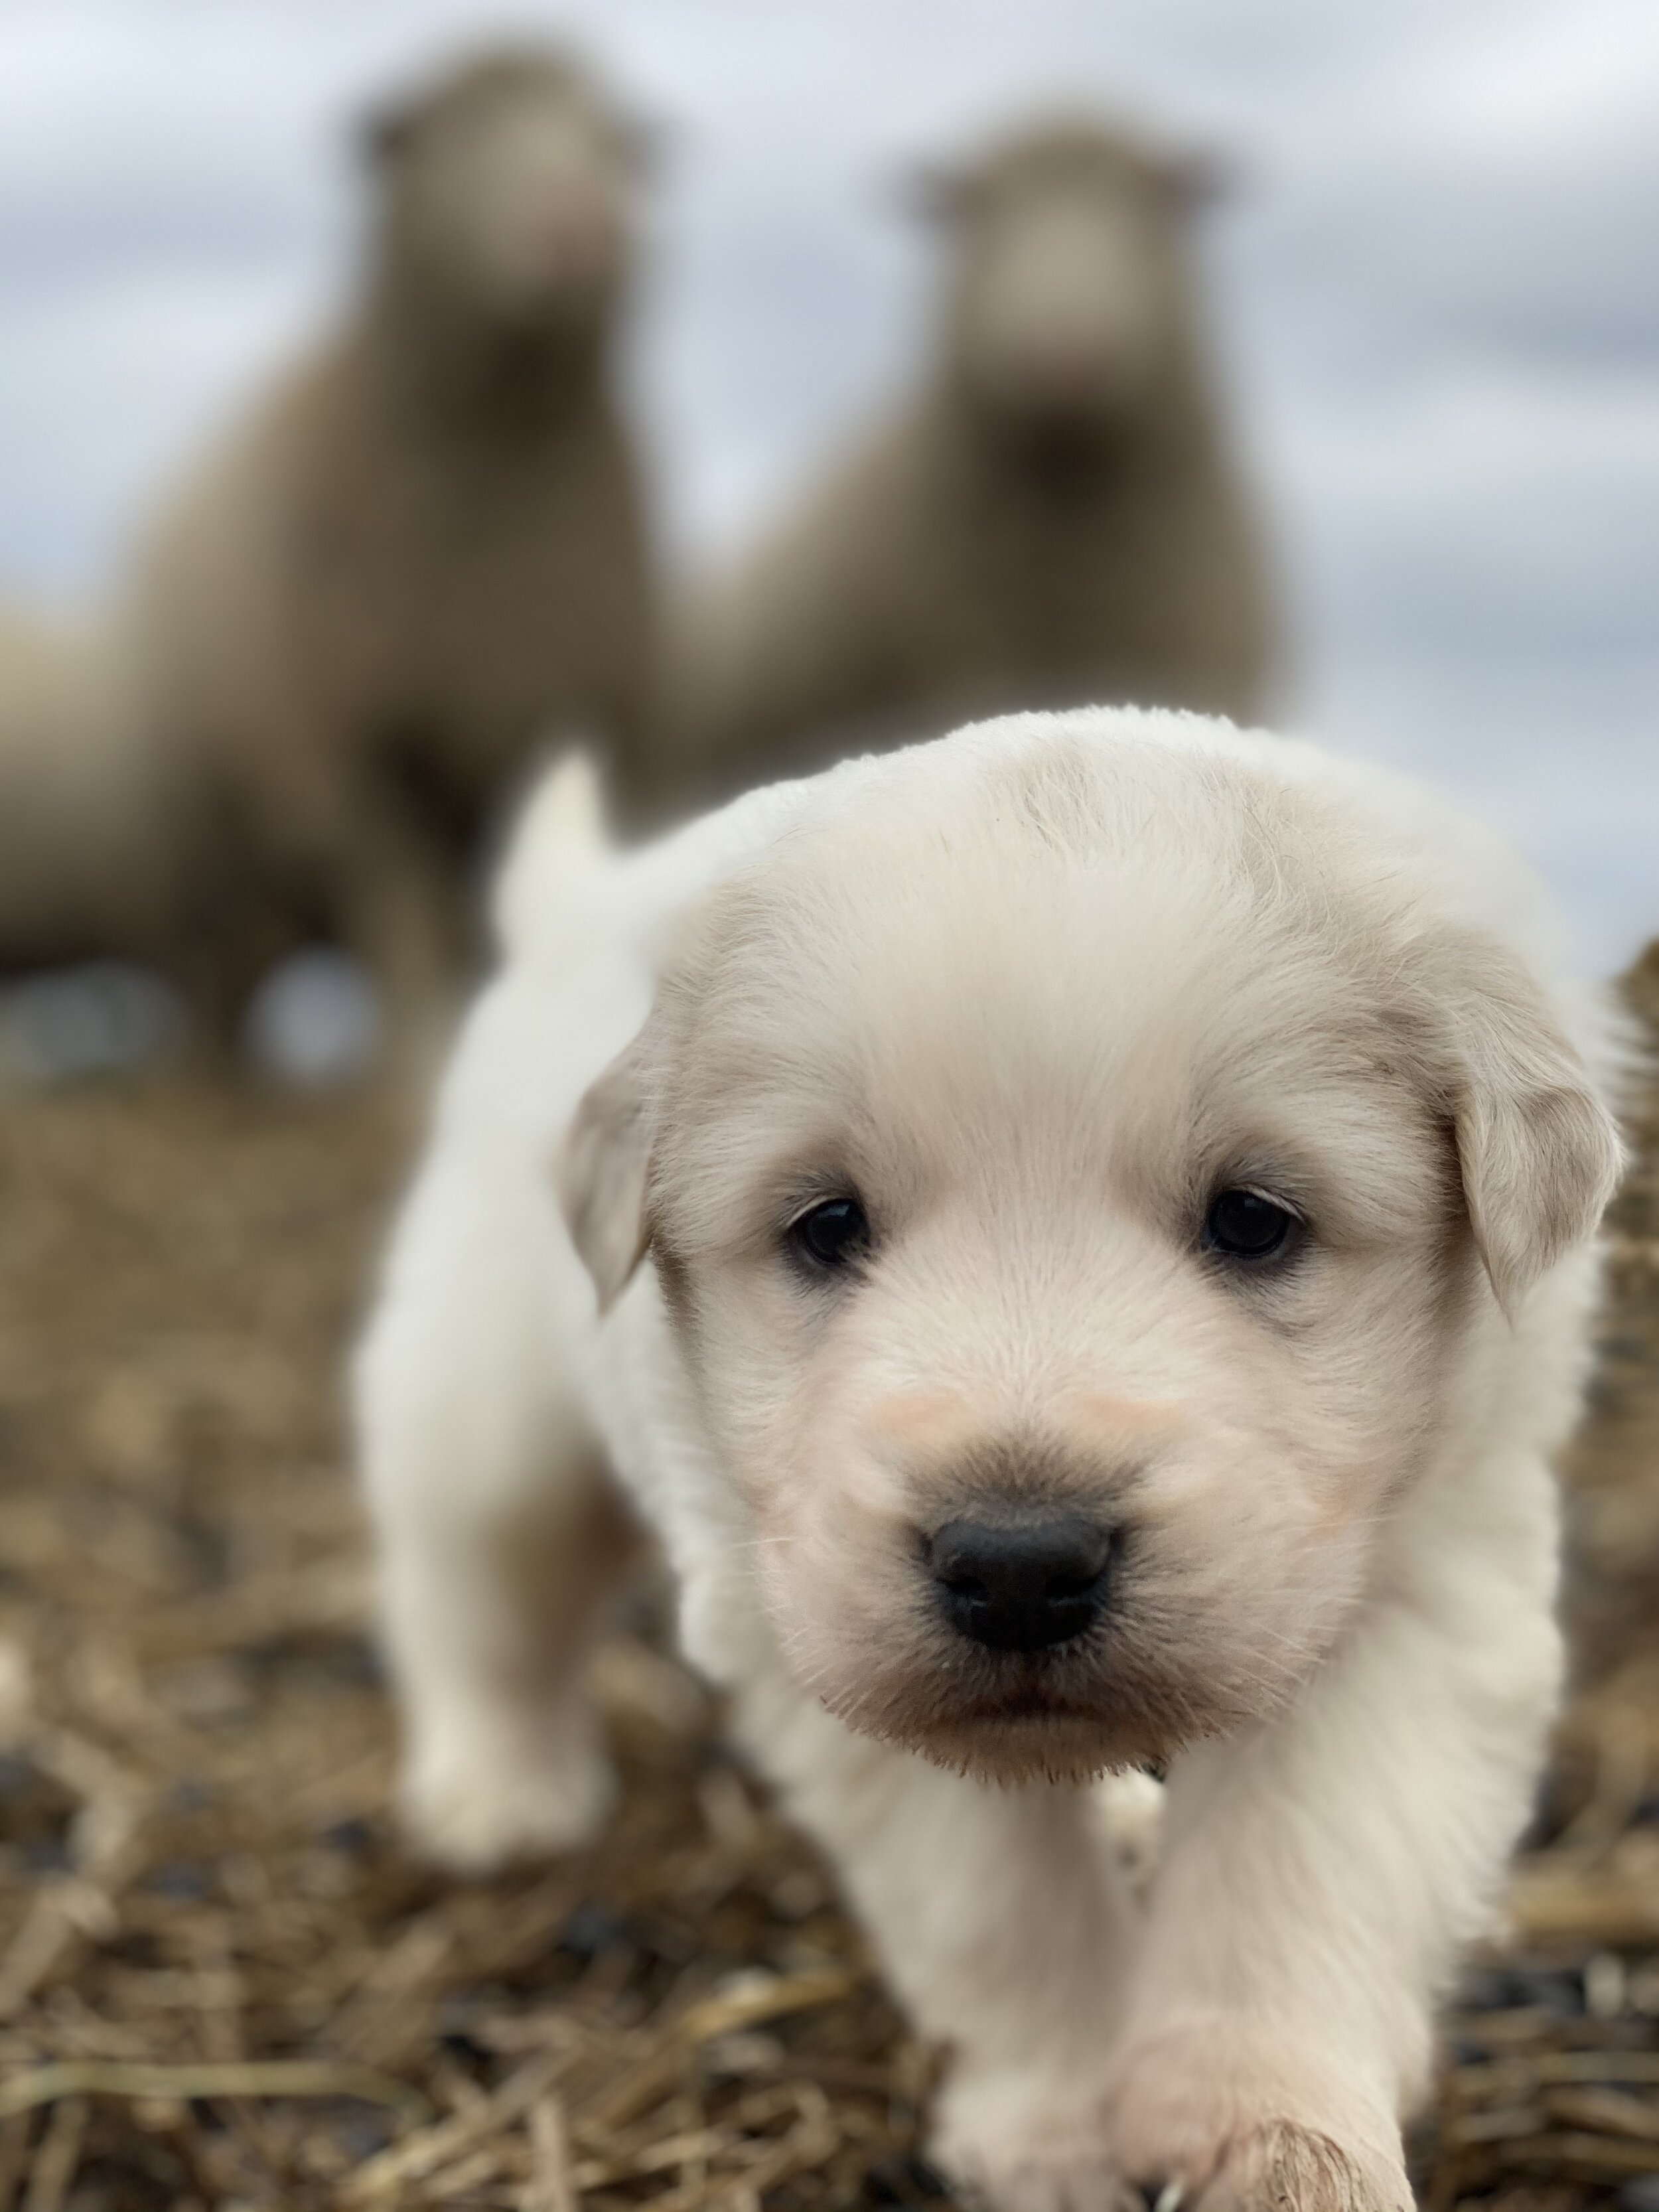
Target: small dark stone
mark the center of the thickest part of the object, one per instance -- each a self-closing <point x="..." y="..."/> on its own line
<point x="355" y="1660"/>
<point x="17" y="1774"/>
<point x="1560" y="1992"/>
<point x="457" y="2016"/>
<point x="903" y="2179"/>
<point x="460" y="2045"/>
<point x="1485" y="1989"/>
<point x="355" y="1836"/>
<point x="361" y="2134"/>
<point x="663" y="1938"/>
<point x="590" y="1928"/>
<point x="182" y="1879"/>
<point x="1554" y="1990"/>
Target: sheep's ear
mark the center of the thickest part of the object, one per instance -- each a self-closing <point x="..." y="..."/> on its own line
<point x="935" y="191"/>
<point x="387" y="131"/>
<point x="1539" y="1153"/>
<point x="647" y="144"/>
<point x="601" y="1169"/>
<point x="1198" y="178"/>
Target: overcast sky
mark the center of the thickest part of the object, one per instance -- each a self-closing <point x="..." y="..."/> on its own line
<point x="1437" y="286"/>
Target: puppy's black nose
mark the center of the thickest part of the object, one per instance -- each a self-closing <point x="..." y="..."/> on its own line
<point x="1021" y="1584"/>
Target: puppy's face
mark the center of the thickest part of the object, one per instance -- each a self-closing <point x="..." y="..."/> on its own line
<point x="1066" y="1221"/>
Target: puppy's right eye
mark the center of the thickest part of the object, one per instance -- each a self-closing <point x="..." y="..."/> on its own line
<point x="831" y="1234"/>
<point x="1247" y="1225"/>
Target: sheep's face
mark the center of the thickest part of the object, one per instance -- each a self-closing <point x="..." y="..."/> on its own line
<point x="1054" y="1189"/>
<point x="1070" y="309"/>
<point x="508" y="197"/>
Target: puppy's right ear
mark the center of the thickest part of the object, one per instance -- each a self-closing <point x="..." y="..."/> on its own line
<point x="601" y="1170"/>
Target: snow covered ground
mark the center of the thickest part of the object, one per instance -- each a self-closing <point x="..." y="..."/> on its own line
<point x="1437" y="286"/>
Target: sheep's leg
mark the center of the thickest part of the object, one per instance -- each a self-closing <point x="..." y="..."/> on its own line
<point x="400" y="915"/>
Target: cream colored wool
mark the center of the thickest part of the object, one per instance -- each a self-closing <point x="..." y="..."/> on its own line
<point x="355" y="627"/>
<point x="1053" y="519"/>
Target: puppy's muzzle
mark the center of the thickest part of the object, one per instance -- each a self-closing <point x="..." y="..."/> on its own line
<point x="1021" y="1584"/>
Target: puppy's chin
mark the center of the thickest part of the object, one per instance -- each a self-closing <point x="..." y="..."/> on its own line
<point x="1119" y="1696"/>
<point x="1039" y="1747"/>
<point x="1026" y="1729"/>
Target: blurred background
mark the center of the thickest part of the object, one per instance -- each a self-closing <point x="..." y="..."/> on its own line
<point x="1432" y="284"/>
<point x="370" y="418"/>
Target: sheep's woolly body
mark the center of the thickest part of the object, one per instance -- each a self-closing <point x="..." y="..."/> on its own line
<point x="952" y="565"/>
<point x="361" y="620"/>
<point x="359" y="626"/>
<point x="928" y="578"/>
<point x="358" y="580"/>
<point x="1032" y="990"/>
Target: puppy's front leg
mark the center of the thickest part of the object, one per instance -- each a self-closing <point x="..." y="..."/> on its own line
<point x="1005" y="1926"/>
<point x="1320" y="1873"/>
<point x="501" y="1532"/>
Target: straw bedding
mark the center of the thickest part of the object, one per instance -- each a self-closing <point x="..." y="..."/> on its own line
<point x="223" y="1984"/>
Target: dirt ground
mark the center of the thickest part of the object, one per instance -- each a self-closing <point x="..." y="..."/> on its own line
<point x="223" y="1984"/>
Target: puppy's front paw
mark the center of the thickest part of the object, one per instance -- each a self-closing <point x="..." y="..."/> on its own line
<point x="1226" y="2117"/>
<point x="1015" y="2144"/>
<point x="472" y="1806"/>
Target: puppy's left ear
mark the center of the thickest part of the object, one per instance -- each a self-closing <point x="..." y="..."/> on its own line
<point x="601" y="1169"/>
<point x="1539" y="1153"/>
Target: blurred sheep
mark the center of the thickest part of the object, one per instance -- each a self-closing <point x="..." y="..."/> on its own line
<point x="90" y="855"/>
<point x="1053" y="518"/>
<point x="427" y="552"/>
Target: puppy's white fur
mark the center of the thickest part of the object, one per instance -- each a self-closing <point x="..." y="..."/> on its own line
<point x="1036" y="992"/>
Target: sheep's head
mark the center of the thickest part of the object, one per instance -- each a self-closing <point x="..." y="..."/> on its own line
<point x="507" y="188"/>
<point x="1071" y="306"/>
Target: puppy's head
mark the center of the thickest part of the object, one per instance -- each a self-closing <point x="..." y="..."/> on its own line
<point x="1075" y="1181"/>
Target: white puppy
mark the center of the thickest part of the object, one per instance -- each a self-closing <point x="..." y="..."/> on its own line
<point x="1118" y="1197"/>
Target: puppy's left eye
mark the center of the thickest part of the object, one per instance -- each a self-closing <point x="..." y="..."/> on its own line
<point x="831" y="1234"/>
<point x="1243" y="1224"/>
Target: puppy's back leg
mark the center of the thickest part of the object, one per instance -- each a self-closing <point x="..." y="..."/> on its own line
<point x="500" y="1533"/>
